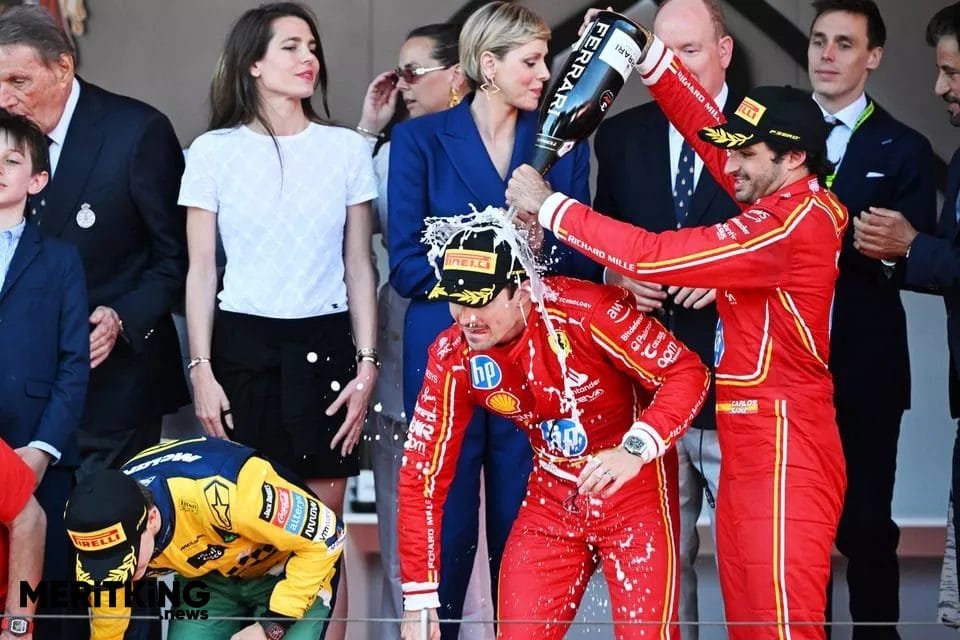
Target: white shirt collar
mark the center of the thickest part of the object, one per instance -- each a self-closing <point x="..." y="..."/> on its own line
<point x="59" y="132"/>
<point x="849" y="114"/>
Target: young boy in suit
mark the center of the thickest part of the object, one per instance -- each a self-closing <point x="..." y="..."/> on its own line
<point x="44" y="335"/>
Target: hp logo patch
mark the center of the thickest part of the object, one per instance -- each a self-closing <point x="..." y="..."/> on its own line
<point x="718" y="344"/>
<point x="564" y="437"/>
<point x="484" y="372"/>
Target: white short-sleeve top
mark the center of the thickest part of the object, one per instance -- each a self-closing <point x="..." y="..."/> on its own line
<point x="280" y="216"/>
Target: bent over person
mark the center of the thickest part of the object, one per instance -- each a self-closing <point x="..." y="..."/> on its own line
<point x="260" y="542"/>
<point x="782" y="480"/>
<point x="603" y="489"/>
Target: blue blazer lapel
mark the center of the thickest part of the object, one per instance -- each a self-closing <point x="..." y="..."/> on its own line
<point x="27" y="250"/>
<point x="461" y="142"/>
<point x="61" y="197"/>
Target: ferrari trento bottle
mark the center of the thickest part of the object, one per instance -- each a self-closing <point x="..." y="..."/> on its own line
<point x="584" y="90"/>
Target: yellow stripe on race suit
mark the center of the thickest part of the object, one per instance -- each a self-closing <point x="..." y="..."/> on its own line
<point x="780" y="520"/>
<point x="668" y="597"/>
<point x="718" y="253"/>
<point x="805" y="336"/>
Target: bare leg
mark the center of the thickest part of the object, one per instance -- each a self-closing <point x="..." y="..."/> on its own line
<point x="331" y="492"/>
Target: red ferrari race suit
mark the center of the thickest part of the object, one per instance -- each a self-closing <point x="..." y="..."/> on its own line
<point x="782" y="479"/>
<point x="624" y="369"/>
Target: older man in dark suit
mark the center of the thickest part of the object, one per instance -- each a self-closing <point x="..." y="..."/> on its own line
<point x="931" y="259"/>
<point x="649" y="177"/>
<point x="115" y="171"/>
<point x="880" y="162"/>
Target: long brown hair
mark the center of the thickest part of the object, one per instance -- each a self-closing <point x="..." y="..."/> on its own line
<point x="234" y="99"/>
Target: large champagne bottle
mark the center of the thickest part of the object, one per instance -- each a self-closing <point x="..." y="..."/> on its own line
<point x="584" y="90"/>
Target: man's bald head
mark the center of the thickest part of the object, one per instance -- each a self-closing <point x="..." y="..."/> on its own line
<point x="696" y="31"/>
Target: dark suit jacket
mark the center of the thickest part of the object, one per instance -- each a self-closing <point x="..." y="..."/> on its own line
<point x="934" y="262"/>
<point x="122" y="160"/>
<point x="634" y="184"/>
<point x="45" y="345"/>
<point x="886" y="164"/>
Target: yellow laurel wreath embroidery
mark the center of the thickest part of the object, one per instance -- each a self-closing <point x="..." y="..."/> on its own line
<point x="125" y="571"/>
<point x="729" y="140"/>
<point x="82" y="574"/>
<point x="436" y="292"/>
<point x="471" y="298"/>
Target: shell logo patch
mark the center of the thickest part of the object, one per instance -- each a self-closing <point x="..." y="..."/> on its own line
<point x="559" y="342"/>
<point x="470" y="260"/>
<point x="751" y="111"/>
<point x="503" y="402"/>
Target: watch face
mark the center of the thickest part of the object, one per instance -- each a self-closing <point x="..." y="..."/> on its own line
<point x="634" y="445"/>
<point x="18" y="626"/>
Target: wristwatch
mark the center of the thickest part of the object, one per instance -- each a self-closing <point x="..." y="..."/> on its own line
<point x="17" y="627"/>
<point x="635" y="444"/>
<point x="273" y="630"/>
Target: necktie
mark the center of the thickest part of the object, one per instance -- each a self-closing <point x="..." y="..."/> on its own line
<point x="683" y="184"/>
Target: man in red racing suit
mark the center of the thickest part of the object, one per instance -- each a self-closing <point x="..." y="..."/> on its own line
<point x="603" y="487"/>
<point x="782" y="479"/>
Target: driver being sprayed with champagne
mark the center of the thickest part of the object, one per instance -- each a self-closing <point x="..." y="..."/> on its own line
<point x="602" y="391"/>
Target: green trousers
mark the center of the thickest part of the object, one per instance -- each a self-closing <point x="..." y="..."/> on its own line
<point x="236" y="598"/>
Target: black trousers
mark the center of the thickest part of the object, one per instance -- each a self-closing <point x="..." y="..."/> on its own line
<point x="867" y="535"/>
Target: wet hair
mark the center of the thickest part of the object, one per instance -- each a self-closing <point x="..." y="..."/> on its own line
<point x="34" y="27"/>
<point x="446" y="41"/>
<point x="498" y="27"/>
<point x="717" y="16"/>
<point x="944" y="23"/>
<point x="816" y="162"/>
<point x="234" y="98"/>
<point x="28" y="139"/>
<point x="876" y="29"/>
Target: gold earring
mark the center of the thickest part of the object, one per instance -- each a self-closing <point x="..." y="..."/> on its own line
<point x="489" y="88"/>
<point x="454" y="98"/>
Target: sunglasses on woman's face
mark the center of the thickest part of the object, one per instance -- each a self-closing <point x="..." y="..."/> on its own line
<point x="411" y="74"/>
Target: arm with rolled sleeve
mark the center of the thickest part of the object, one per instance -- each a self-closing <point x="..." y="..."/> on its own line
<point x="62" y="414"/>
<point x="155" y="168"/>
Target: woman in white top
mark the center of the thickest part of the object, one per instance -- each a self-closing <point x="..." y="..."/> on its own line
<point x="284" y="357"/>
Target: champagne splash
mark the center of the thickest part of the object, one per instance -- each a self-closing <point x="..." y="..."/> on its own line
<point x="438" y="233"/>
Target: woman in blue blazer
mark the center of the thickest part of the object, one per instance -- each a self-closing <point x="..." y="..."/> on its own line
<point x="440" y="164"/>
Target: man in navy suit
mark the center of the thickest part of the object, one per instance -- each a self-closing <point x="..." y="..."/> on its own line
<point x="44" y="339"/>
<point x="115" y="172"/>
<point x="880" y="162"/>
<point x="649" y="177"/>
<point x="931" y="259"/>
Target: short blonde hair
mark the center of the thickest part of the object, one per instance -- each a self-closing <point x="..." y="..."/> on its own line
<point x="497" y="27"/>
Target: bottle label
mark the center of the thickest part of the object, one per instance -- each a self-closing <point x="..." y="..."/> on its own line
<point x="621" y="52"/>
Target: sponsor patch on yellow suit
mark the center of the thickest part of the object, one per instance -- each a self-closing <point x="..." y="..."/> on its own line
<point x="738" y="407"/>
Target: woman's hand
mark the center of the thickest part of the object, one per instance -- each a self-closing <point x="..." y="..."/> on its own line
<point x="380" y="103"/>
<point x="210" y="402"/>
<point x="356" y="395"/>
